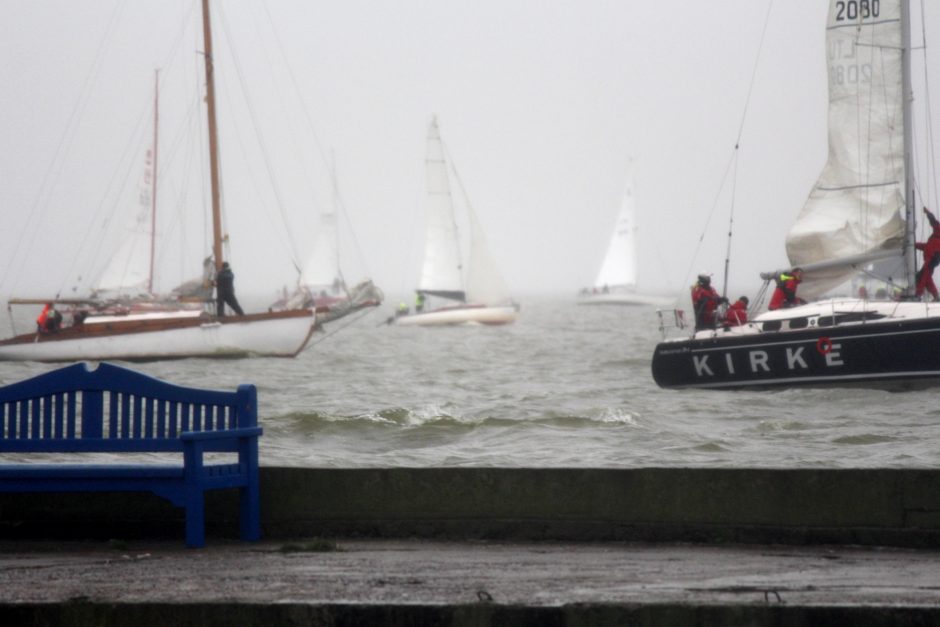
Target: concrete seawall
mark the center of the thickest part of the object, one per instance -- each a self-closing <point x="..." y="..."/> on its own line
<point x="889" y="507"/>
<point x="640" y="547"/>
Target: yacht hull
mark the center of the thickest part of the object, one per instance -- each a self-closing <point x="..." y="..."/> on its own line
<point x="450" y="316"/>
<point x="890" y="354"/>
<point x="278" y="334"/>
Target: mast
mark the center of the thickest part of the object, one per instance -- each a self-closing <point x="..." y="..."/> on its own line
<point x="153" y="178"/>
<point x="907" y="97"/>
<point x="335" y="225"/>
<point x="213" y="140"/>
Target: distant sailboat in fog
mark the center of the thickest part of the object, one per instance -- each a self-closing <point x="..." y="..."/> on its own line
<point x="616" y="281"/>
<point x="471" y="290"/>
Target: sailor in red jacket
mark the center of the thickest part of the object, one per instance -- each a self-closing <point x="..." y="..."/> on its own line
<point x="49" y="319"/>
<point x="704" y="302"/>
<point x="785" y="294"/>
<point x="737" y="313"/>
<point x="931" y="250"/>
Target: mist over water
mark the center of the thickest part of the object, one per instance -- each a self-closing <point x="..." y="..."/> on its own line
<point x="566" y="386"/>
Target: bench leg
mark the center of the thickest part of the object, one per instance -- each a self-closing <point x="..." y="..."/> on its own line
<point x="195" y="519"/>
<point x="249" y="511"/>
<point x="249" y="501"/>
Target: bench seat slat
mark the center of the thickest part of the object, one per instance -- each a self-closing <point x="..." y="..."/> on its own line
<point x="10" y="472"/>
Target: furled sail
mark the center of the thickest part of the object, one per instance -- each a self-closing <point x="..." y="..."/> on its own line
<point x="854" y="213"/>
<point x="441" y="273"/>
<point x="127" y="274"/>
<point x="619" y="267"/>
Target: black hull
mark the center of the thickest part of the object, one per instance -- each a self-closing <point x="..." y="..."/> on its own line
<point x="893" y="355"/>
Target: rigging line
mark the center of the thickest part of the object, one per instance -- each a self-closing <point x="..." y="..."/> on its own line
<point x="711" y="213"/>
<point x="294" y="136"/>
<point x="352" y="231"/>
<point x="188" y="148"/>
<point x="169" y="153"/>
<point x="926" y="199"/>
<point x="412" y="257"/>
<point x="316" y="139"/>
<point x="59" y="155"/>
<point x="734" y="186"/>
<point x="734" y="154"/>
<point x="174" y="198"/>
<point x="471" y="214"/>
<point x="931" y="150"/>
<point x="352" y="320"/>
<point x="734" y="178"/>
<point x="750" y="88"/>
<point x="290" y="73"/>
<point x="260" y="139"/>
<point x="185" y="23"/>
<point x="334" y="199"/>
<point x="130" y="163"/>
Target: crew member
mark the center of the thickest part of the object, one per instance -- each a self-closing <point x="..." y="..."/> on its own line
<point x="737" y="313"/>
<point x="704" y="302"/>
<point x="785" y="294"/>
<point x="225" y="291"/>
<point x="931" y="250"/>
<point x="44" y="319"/>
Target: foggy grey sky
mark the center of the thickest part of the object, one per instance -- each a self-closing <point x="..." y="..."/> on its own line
<point x="541" y="103"/>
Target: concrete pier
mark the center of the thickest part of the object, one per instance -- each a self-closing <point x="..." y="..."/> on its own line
<point x="482" y="546"/>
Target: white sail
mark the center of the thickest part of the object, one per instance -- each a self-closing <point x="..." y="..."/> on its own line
<point x="442" y="269"/>
<point x="854" y="212"/>
<point x="485" y="283"/>
<point x="322" y="267"/>
<point x="619" y="267"/>
<point x="128" y="271"/>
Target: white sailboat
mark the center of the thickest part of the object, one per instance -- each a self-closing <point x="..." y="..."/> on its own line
<point x="473" y="289"/>
<point x="172" y="333"/>
<point x="861" y="210"/>
<point x="616" y="281"/>
<point x="322" y="286"/>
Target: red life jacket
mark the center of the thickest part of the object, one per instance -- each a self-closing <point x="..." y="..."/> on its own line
<point x="43" y="316"/>
<point x="736" y="314"/>
<point x="785" y="294"/>
<point x="705" y="302"/>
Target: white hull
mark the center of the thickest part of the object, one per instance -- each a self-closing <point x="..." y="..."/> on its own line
<point x="263" y="336"/>
<point x="460" y="315"/>
<point x="624" y="298"/>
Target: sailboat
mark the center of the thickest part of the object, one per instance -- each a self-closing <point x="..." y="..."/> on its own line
<point x="616" y="280"/>
<point x="322" y="286"/>
<point x="860" y="211"/>
<point x="473" y="289"/>
<point x="172" y="333"/>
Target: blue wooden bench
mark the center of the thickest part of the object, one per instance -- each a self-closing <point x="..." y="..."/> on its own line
<point x="115" y="410"/>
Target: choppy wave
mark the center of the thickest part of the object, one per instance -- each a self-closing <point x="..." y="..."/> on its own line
<point x="564" y="386"/>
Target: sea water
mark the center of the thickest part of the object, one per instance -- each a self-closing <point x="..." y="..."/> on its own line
<point x="567" y="385"/>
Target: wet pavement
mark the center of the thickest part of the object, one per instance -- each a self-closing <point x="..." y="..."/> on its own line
<point x="396" y="572"/>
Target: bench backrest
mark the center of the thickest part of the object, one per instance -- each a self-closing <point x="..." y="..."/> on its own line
<point x="114" y="409"/>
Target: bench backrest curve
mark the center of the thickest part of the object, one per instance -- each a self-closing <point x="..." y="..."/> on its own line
<point x="111" y="408"/>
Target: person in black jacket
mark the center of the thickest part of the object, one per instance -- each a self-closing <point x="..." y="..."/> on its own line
<point x="225" y="291"/>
